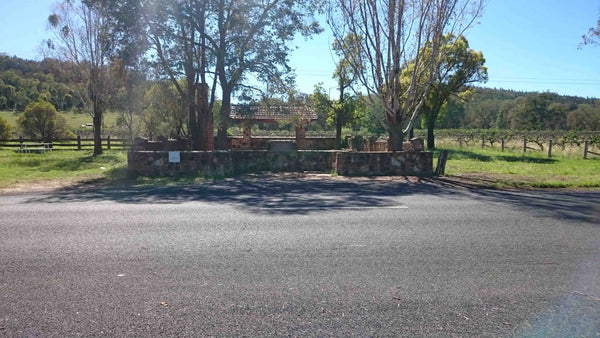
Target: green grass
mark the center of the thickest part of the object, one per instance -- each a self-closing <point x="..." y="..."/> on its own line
<point x="514" y="169"/>
<point x="74" y="120"/>
<point x="482" y="167"/>
<point x="65" y="167"/>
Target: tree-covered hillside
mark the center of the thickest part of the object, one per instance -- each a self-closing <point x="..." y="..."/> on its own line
<point x="506" y="109"/>
<point x="24" y="81"/>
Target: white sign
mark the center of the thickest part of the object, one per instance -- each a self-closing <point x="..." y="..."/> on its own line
<point x="174" y="156"/>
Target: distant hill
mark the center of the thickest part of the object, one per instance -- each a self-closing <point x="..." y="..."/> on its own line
<point x="503" y="108"/>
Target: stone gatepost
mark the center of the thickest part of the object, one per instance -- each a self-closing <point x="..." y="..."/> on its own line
<point x="301" y="135"/>
<point x="246" y="135"/>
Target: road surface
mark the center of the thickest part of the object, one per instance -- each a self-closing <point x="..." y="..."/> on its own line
<point x="289" y="257"/>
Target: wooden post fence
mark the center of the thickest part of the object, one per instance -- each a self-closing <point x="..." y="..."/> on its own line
<point x="550" y="148"/>
<point x="78" y="142"/>
<point x="524" y="144"/>
<point x="586" y="150"/>
<point x="502" y="142"/>
<point x="108" y="142"/>
<point x="440" y="170"/>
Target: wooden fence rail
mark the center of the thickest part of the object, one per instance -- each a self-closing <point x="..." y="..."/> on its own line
<point x="69" y="143"/>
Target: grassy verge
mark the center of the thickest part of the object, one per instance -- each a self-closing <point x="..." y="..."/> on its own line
<point x="59" y="167"/>
<point x="473" y="165"/>
<point x="514" y="169"/>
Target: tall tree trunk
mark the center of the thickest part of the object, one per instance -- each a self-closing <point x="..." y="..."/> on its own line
<point x="195" y="132"/>
<point x="222" y="143"/>
<point x="338" y="118"/>
<point x="338" y="131"/>
<point x="205" y="120"/>
<point x="430" y="135"/>
<point x="97" y="119"/>
<point x="395" y="137"/>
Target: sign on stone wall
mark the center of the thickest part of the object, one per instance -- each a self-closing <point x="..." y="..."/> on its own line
<point x="174" y="156"/>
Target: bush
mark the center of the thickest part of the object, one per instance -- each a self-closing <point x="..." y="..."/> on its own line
<point x="5" y="133"/>
<point x="41" y="121"/>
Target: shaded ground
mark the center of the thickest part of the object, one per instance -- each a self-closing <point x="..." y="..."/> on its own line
<point x="305" y="193"/>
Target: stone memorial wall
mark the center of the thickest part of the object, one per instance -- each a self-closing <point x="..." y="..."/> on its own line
<point x="235" y="162"/>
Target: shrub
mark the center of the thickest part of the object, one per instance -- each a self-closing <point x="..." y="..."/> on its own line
<point x="41" y="121"/>
<point x="5" y="133"/>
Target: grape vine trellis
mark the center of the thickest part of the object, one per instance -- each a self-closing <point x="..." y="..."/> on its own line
<point x="495" y="137"/>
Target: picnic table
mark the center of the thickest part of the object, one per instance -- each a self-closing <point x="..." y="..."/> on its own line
<point x="35" y="147"/>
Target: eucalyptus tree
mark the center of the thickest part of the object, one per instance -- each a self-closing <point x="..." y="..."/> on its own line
<point x="593" y="36"/>
<point x="233" y="45"/>
<point x="175" y="32"/>
<point x="392" y="34"/>
<point x="251" y="44"/>
<point x="80" y="32"/>
<point x="346" y="75"/>
<point x="459" y="66"/>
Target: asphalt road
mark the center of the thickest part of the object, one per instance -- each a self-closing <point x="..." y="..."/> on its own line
<point x="261" y="257"/>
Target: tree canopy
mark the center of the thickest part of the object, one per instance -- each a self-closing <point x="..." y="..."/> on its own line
<point x="392" y="33"/>
<point x="217" y="43"/>
<point x="459" y="67"/>
<point x="81" y="37"/>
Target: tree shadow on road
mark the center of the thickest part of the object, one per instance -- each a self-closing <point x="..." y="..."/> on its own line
<point x="573" y="205"/>
<point x="256" y="193"/>
<point x="294" y="195"/>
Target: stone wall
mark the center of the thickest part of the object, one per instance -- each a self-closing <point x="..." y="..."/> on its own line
<point x="230" y="163"/>
<point x="376" y="145"/>
<point x="260" y="142"/>
<point x="384" y="163"/>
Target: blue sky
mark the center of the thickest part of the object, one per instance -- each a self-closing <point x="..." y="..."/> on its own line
<point x="529" y="45"/>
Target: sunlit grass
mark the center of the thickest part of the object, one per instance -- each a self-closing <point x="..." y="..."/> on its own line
<point x="489" y="167"/>
<point x="64" y="166"/>
<point x="513" y="168"/>
<point x="74" y="120"/>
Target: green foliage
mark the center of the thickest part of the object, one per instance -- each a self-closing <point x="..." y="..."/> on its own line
<point x="165" y="113"/>
<point x="24" y="81"/>
<point x="531" y="112"/>
<point x="458" y="66"/>
<point x="569" y="138"/>
<point x="584" y="117"/>
<point x="503" y="109"/>
<point x="482" y="114"/>
<point x="5" y="133"/>
<point x="358" y="142"/>
<point x="351" y="111"/>
<point x="372" y="122"/>
<point x="41" y="121"/>
<point x="323" y="106"/>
